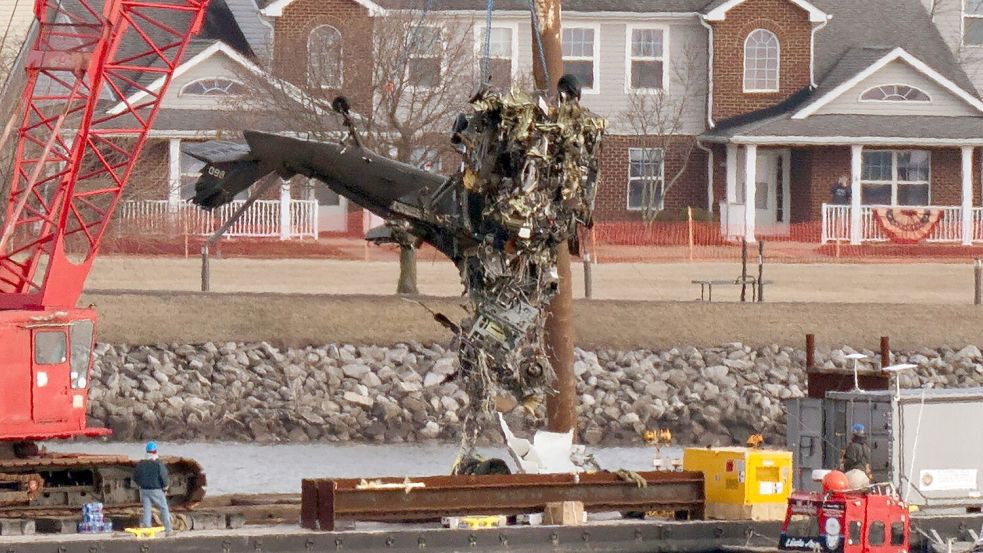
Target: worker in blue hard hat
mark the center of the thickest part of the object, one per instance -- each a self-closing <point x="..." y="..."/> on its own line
<point x="856" y="455"/>
<point x="151" y="475"/>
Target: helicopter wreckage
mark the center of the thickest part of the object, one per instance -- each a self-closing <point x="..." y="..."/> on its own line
<point x="527" y="183"/>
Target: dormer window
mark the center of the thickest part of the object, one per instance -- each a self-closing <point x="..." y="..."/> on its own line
<point x="762" y="57"/>
<point x="894" y="93"/>
<point x="213" y="87"/>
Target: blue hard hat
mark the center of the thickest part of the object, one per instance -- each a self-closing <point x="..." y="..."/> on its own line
<point x="858" y="428"/>
<point x="151" y="447"/>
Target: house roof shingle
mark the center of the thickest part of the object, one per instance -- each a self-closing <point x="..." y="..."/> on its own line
<point x="883" y="25"/>
<point x="914" y="127"/>
<point x="857" y="36"/>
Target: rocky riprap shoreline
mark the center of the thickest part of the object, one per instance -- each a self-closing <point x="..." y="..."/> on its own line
<point x="257" y="392"/>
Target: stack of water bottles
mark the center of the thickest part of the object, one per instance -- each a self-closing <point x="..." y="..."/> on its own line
<point x="93" y="520"/>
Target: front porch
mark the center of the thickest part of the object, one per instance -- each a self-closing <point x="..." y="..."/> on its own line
<point x="889" y="192"/>
<point x="953" y="225"/>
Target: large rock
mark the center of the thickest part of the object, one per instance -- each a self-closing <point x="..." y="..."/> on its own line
<point x="358" y="399"/>
<point x="355" y="370"/>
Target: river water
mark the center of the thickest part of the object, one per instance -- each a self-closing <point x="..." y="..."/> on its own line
<point x="279" y="468"/>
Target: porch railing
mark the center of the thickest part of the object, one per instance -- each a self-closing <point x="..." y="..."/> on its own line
<point x="836" y="224"/>
<point x="264" y="219"/>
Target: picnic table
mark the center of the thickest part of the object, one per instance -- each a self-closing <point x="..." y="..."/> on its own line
<point x="706" y="286"/>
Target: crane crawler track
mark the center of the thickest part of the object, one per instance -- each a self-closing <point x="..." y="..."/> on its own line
<point x="62" y="483"/>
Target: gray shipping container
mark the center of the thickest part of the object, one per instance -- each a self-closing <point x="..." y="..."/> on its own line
<point x="928" y="442"/>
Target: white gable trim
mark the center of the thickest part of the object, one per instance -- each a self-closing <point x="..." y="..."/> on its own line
<point x="217" y="47"/>
<point x="719" y="13"/>
<point x="893" y="55"/>
<point x="276" y="8"/>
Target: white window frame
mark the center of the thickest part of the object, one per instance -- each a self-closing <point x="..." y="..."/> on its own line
<point x="629" y="30"/>
<point x="479" y="46"/>
<point x="662" y="177"/>
<point x="341" y="62"/>
<point x="184" y="88"/>
<point x="962" y="25"/>
<point x="442" y="58"/>
<point x="595" y="59"/>
<point x="913" y="87"/>
<point x="894" y="182"/>
<point x="778" y="70"/>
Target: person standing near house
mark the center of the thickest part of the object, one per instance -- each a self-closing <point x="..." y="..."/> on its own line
<point x="151" y="475"/>
<point x="841" y="191"/>
<point x="856" y="455"/>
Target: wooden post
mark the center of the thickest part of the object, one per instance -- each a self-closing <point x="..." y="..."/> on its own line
<point x="978" y="273"/>
<point x="588" y="277"/>
<point x="689" y="219"/>
<point x="205" y="273"/>
<point x="561" y="406"/>
<point x="810" y="352"/>
<point x="837" y="248"/>
<point x="593" y="250"/>
<point x="212" y="240"/>
<point x="885" y="351"/>
<point x="761" y="270"/>
<point x="743" y="269"/>
<point x="184" y="230"/>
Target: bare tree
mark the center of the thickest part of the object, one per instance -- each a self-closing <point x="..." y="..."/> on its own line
<point x="406" y="83"/>
<point x="659" y="118"/>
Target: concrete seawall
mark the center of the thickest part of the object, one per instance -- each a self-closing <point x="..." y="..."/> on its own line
<point x="337" y="392"/>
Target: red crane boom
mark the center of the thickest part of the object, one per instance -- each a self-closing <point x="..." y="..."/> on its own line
<point x="79" y="139"/>
<point x="74" y="155"/>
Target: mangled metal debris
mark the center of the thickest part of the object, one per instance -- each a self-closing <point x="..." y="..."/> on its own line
<point x="532" y="168"/>
<point x="528" y="182"/>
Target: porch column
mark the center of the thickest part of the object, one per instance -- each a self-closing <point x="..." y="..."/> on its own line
<point x="732" y="173"/>
<point x="174" y="174"/>
<point x="750" y="182"/>
<point x="856" y="168"/>
<point x="967" y="204"/>
<point x="285" y="210"/>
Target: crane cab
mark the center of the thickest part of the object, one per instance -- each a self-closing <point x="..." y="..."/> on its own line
<point x="869" y="521"/>
<point x="45" y="367"/>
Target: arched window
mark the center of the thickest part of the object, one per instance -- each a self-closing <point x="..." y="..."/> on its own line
<point x="894" y="93"/>
<point x="762" y="57"/>
<point x="324" y="55"/>
<point x="214" y="87"/>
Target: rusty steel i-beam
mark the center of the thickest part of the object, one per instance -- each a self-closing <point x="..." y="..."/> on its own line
<point x="324" y="502"/>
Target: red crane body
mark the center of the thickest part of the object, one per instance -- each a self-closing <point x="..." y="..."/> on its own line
<point x="78" y="141"/>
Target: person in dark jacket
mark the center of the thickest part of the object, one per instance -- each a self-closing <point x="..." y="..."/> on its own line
<point x="856" y="455"/>
<point x="840" y="193"/>
<point x="151" y="475"/>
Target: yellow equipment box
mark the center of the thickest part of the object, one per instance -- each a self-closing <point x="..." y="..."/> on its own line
<point x="743" y="483"/>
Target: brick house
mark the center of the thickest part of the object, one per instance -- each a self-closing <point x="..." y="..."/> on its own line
<point x="791" y="96"/>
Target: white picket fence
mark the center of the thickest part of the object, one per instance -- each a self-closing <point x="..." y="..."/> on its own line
<point x="836" y="224"/>
<point x="263" y="219"/>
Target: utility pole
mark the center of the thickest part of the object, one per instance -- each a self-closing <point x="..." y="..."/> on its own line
<point x="561" y="407"/>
